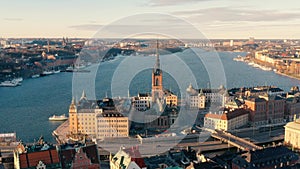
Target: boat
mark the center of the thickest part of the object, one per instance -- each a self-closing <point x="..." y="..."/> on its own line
<point x="8" y="83"/>
<point x="56" y="71"/>
<point x="79" y="66"/>
<point x="72" y="69"/>
<point x="239" y="58"/>
<point x="35" y="76"/>
<point x="69" y="69"/>
<point x="58" y="118"/>
<point x="45" y="73"/>
<point x="18" y="80"/>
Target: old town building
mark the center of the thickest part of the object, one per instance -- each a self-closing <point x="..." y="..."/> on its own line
<point x="87" y="117"/>
<point x="226" y="120"/>
<point x="292" y="133"/>
<point x="265" y="109"/>
<point x="202" y="98"/>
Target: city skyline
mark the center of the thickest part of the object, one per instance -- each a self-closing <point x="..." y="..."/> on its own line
<point x="214" y="18"/>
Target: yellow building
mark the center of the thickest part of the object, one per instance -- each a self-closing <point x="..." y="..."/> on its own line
<point x="226" y="120"/>
<point x="292" y="134"/>
<point x="171" y="99"/>
<point x="111" y="123"/>
<point x="86" y="117"/>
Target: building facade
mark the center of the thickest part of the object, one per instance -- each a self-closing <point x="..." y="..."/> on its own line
<point x="171" y="99"/>
<point x="292" y="134"/>
<point x="86" y="117"/>
<point x="195" y="99"/>
<point x="201" y="98"/>
<point x="226" y="120"/>
<point x="142" y="102"/>
<point x="292" y="107"/>
<point x="266" y="109"/>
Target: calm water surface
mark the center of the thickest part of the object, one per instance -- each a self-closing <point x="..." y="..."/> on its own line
<point x="25" y="109"/>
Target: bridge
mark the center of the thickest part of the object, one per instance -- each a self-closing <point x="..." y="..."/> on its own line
<point x="233" y="140"/>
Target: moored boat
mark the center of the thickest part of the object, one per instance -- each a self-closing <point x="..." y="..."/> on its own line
<point x="45" y="73"/>
<point x="35" y="76"/>
<point x="18" y="80"/>
<point x="10" y="83"/>
<point x="56" y="71"/>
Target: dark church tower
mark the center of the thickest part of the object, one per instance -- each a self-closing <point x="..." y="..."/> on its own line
<point x="157" y="87"/>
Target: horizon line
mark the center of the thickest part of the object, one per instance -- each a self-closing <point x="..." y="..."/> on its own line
<point x="116" y="38"/>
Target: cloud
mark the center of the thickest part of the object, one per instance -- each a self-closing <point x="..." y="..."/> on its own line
<point x="86" y="27"/>
<point x="13" y="19"/>
<point x="225" y="14"/>
<point x="171" y="2"/>
<point x="243" y="21"/>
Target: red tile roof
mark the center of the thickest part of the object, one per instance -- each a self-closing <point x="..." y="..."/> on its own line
<point x="227" y="116"/>
<point x="32" y="159"/>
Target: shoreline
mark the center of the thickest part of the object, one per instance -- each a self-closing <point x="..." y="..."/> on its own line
<point x="290" y="76"/>
<point x="279" y="73"/>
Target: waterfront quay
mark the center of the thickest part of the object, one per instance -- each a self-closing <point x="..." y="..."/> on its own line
<point x="263" y="136"/>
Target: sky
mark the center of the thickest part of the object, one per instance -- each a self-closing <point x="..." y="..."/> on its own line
<point x="213" y="19"/>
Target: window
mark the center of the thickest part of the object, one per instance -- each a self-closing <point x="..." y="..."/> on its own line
<point x="156" y="82"/>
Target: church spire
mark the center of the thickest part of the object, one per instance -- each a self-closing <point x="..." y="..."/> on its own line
<point x="83" y="96"/>
<point x="157" y="87"/>
<point x="157" y="63"/>
<point x="73" y="101"/>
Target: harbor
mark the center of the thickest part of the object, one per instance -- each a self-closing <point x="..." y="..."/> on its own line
<point x="30" y="101"/>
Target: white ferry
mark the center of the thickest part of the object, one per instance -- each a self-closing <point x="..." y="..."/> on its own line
<point x="58" y="118"/>
<point x="9" y="84"/>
